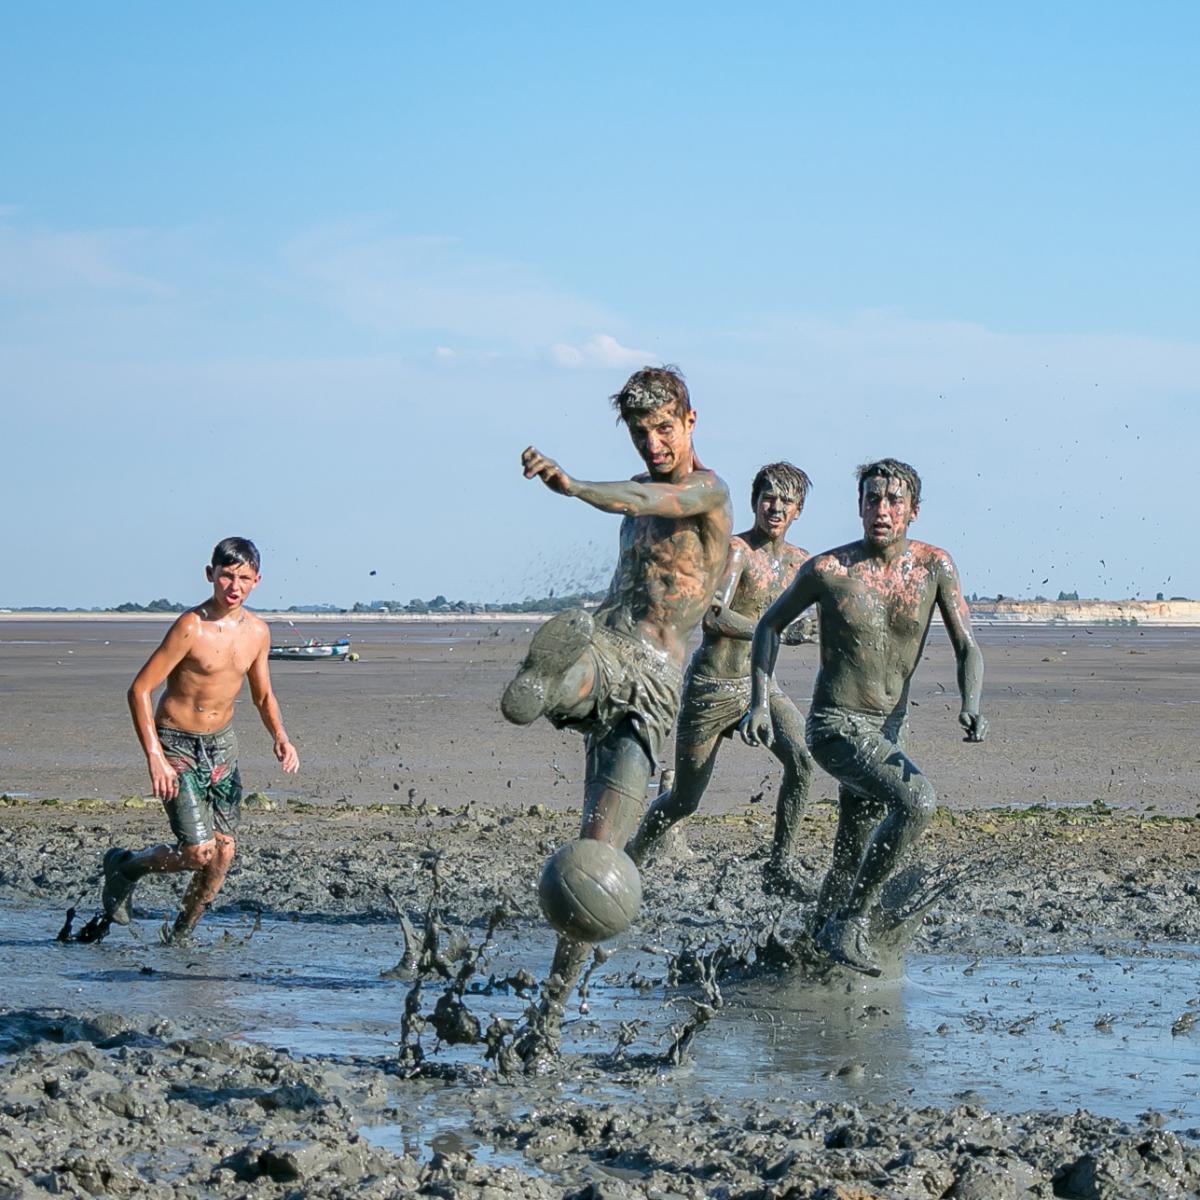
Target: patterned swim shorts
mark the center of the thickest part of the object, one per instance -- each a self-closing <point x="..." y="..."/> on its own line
<point x="634" y="682"/>
<point x="712" y="706"/>
<point x="210" y="787"/>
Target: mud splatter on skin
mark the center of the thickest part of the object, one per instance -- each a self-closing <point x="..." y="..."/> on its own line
<point x="676" y="521"/>
<point x="760" y="563"/>
<point x="875" y="600"/>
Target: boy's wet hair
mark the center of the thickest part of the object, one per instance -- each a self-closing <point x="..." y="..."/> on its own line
<point x="652" y="388"/>
<point x="236" y="550"/>
<point x="784" y="480"/>
<point x="891" y="468"/>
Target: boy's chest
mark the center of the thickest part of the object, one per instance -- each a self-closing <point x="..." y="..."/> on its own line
<point x="763" y="579"/>
<point x="662" y="542"/>
<point x="220" y="653"/>
<point x="899" y="602"/>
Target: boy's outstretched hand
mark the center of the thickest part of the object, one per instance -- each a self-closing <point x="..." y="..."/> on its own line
<point x="535" y="464"/>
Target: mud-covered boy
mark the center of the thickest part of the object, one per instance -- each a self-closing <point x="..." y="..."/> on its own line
<point x="875" y="598"/>
<point x="189" y="743"/>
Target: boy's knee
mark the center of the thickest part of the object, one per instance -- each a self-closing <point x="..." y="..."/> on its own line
<point x="921" y="800"/>
<point x="677" y="805"/>
<point x="799" y="764"/>
<point x="197" y="857"/>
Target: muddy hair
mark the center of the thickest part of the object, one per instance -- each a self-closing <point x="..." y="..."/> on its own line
<point x="783" y="479"/>
<point x="652" y="388"/>
<point x="236" y="550"/>
<point x="891" y="468"/>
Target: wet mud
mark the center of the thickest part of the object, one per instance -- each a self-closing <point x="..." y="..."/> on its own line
<point x="344" y="1022"/>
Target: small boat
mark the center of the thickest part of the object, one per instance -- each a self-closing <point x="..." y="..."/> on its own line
<point x="303" y="651"/>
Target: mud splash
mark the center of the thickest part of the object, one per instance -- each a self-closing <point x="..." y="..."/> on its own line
<point x="1055" y="1032"/>
<point x="1064" y="975"/>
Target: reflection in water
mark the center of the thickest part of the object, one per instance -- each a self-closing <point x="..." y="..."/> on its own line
<point x="789" y="1030"/>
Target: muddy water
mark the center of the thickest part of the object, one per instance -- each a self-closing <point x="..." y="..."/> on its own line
<point x="1052" y="1033"/>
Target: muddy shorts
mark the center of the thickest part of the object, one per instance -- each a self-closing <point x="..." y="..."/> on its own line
<point x="210" y="787"/>
<point x="712" y="707"/>
<point x="633" y="681"/>
<point x="865" y="753"/>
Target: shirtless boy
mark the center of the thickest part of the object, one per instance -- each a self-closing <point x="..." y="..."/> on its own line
<point x="875" y="599"/>
<point x="760" y="564"/>
<point x="616" y="675"/>
<point x="189" y="742"/>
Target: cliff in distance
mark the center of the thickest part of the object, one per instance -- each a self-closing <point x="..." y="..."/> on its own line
<point x="1087" y="612"/>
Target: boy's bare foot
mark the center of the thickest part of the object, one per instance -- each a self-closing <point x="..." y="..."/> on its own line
<point x="118" y="890"/>
<point x="177" y="934"/>
<point x="555" y="647"/>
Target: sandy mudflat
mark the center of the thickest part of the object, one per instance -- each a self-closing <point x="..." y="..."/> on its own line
<point x="1043" y="1039"/>
<point x="1078" y="715"/>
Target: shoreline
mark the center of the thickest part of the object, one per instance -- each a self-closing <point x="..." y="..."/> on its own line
<point x="296" y="618"/>
<point x="1123" y="615"/>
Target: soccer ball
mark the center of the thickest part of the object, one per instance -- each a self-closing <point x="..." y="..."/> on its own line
<point x="589" y="890"/>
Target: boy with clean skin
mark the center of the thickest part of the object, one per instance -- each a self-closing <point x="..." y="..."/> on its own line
<point x="188" y="740"/>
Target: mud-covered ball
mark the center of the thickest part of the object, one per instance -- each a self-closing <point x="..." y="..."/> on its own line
<point x="589" y="890"/>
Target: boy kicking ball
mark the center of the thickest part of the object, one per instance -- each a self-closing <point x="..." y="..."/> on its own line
<point x="190" y="746"/>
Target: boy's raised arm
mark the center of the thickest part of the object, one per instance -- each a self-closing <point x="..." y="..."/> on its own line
<point x="170" y="653"/>
<point x="263" y="696"/>
<point x="701" y="492"/>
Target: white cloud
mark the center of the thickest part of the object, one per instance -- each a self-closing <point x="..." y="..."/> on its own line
<point x="38" y="261"/>
<point x="403" y="284"/>
<point x="600" y="350"/>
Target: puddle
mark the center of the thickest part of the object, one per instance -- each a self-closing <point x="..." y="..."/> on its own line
<point x="1051" y="1033"/>
<point x="450" y="1135"/>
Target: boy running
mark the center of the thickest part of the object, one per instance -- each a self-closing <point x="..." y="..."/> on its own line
<point x="760" y="565"/>
<point x="189" y="743"/>
<point x="875" y="598"/>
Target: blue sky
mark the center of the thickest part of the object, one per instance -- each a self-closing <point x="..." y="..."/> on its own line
<point x="318" y="276"/>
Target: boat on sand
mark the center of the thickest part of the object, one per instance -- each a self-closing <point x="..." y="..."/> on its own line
<point x="304" y="651"/>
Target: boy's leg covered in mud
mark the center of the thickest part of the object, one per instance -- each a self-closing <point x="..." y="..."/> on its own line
<point x="204" y="816"/>
<point x="887" y="802"/>
<point x="789" y="748"/>
<point x="617" y="776"/>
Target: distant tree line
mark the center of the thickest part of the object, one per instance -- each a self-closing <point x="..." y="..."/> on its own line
<point x="162" y="605"/>
<point x="439" y="604"/>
